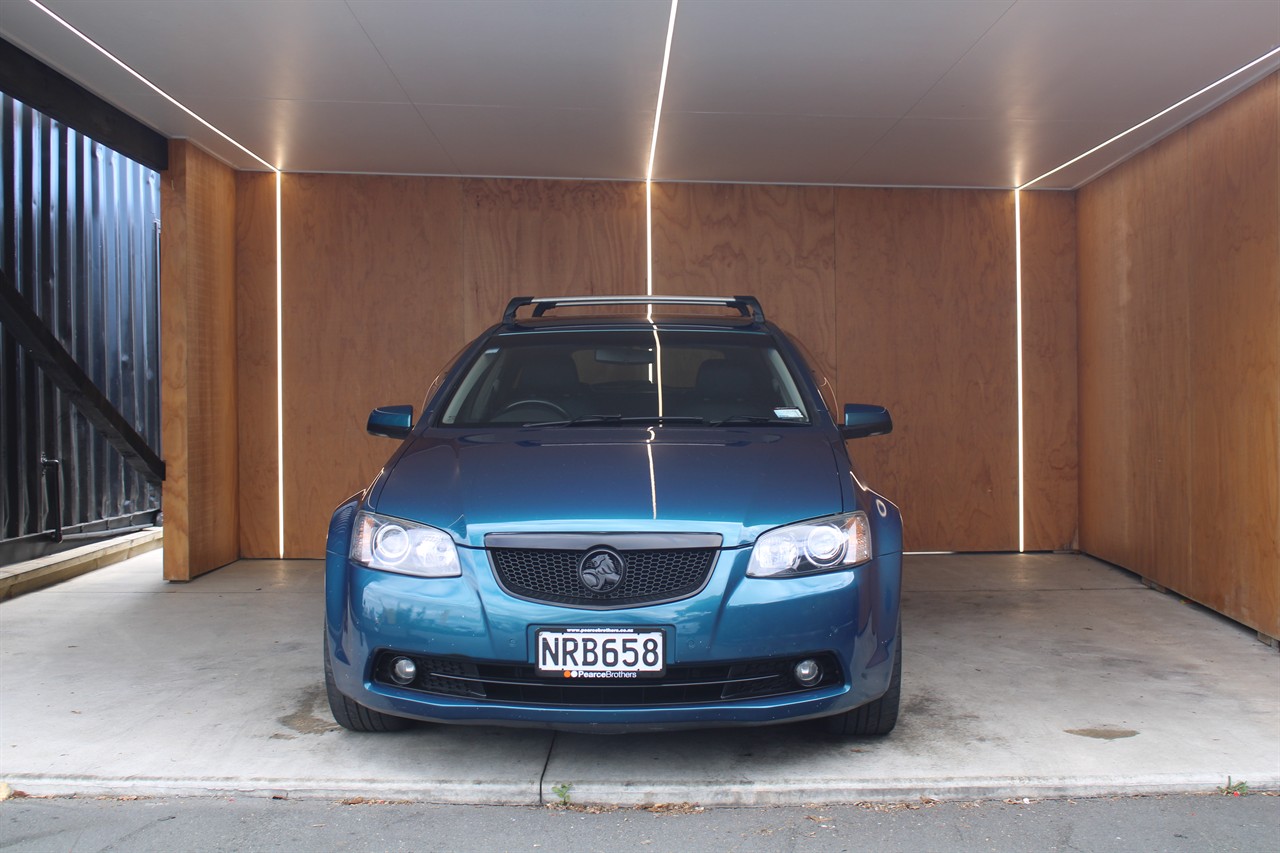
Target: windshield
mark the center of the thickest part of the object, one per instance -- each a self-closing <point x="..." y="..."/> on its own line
<point x="624" y="377"/>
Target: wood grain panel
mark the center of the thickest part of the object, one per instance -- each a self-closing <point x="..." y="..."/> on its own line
<point x="198" y="372"/>
<point x="385" y="279"/>
<point x="256" y="363"/>
<point x="773" y="242"/>
<point x="1049" y="370"/>
<point x="373" y="306"/>
<point x="1180" y="361"/>
<point x="211" y="362"/>
<point x="1103" y="426"/>
<point x="1134" y="326"/>
<point x="175" y="411"/>
<point x="548" y="238"/>
<point x="926" y="326"/>
<point x="1234" y="392"/>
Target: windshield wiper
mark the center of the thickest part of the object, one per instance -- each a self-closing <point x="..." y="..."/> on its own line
<point x="580" y="419"/>
<point x="587" y="420"/>
<point x="760" y="419"/>
<point x="664" y="419"/>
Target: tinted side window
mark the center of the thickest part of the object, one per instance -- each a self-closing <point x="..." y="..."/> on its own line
<point x="434" y="387"/>
<point x="819" y="378"/>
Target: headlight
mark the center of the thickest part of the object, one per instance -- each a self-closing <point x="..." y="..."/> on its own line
<point x="812" y="546"/>
<point x="402" y="546"/>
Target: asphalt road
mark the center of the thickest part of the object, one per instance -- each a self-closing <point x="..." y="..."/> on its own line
<point x="1161" y="823"/>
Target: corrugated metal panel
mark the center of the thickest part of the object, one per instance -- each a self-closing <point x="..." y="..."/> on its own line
<point x="81" y="243"/>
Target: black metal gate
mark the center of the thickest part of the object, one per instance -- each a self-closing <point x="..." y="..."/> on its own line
<point x="81" y="247"/>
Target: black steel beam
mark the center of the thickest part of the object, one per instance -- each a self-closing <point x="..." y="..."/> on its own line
<point x="19" y="320"/>
<point x="26" y="78"/>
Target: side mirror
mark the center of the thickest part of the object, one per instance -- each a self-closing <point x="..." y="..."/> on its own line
<point x="391" y="421"/>
<point x="861" y="420"/>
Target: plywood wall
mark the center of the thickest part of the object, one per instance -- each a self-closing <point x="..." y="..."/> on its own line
<point x="385" y="278"/>
<point x="906" y="297"/>
<point x="256" y="363"/>
<point x="522" y="237"/>
<point x="198" y="363"/>
<point x="369" y="262"/>
<point x="1050" y="395"/>
<point x="1179" y="265"/>
<point x="773" y="242"/>
<point x="926" y="296"/>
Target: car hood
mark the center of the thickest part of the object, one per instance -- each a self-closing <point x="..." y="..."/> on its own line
<point x="738" y="482"/>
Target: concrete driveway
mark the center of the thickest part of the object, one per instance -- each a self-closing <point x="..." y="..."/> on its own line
<point x="1024" y="676"/>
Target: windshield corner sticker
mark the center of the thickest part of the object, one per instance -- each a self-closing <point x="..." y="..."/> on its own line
<point x="788" y="413"/>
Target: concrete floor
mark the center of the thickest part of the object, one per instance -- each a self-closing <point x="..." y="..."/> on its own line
<point x="1024" y="676"/>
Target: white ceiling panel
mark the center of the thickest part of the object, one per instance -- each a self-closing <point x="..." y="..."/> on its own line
<point x="341" y="136"/>
<point x="763" y="149"/>
<point x="1120" y="60"/>
<point x="41" y="36"/>
<point x="561" y="54"/>
<point x="1089" y="166"/>
<point x="931" y="152"/>
<point x="876" y="92"/>
<point x="179" y="125"/>
<point x="252" y="49"/>
<point x="539" y="143"/>
<point x="859" y="59"/>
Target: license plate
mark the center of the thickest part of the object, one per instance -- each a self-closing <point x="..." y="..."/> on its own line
<point x="600" y="652"/>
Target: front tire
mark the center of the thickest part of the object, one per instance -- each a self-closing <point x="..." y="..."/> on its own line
<point x="351" y="714"/>
<point x="876" y="718"/>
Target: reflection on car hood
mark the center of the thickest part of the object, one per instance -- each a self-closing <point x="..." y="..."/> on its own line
<point x="471" y="483"/>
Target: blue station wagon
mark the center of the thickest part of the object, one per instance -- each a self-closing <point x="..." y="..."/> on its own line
<point x="619" y="521"/>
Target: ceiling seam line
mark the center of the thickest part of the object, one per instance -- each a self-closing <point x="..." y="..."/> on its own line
<point x="898" y="120"/>
<point x="407" y="97"/>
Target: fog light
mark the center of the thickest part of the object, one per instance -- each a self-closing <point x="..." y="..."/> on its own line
<point x="403" y="671"/>
<point x="807" y="672"/>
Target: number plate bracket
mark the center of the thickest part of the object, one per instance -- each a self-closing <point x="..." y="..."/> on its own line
<point x="595" y="652"/>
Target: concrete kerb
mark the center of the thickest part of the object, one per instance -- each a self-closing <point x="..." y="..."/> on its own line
<point x="722" y="794"/>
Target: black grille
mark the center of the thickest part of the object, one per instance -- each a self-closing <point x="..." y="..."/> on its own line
<point x="551" y="576"/>
<point x="681" y="685"/>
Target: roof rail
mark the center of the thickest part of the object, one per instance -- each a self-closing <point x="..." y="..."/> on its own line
<point x="748" y="306"/>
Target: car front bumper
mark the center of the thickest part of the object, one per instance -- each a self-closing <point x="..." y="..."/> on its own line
<point x="850" y="616"/>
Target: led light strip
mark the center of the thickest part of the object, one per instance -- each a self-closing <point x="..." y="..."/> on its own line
<point x="280" y="355"/>
<point x="653" y="153"/>
<point x="279" y="231"/>
<point x="1022" y="478"/>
